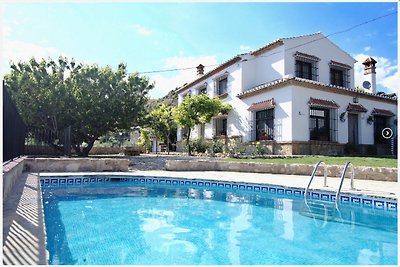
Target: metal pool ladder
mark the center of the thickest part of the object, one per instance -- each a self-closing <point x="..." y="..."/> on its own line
<point x="324" y="209"/>
<point x="342" y="178"/>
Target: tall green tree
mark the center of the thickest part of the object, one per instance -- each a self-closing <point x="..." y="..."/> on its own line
<point x="163" y="123"/>
<point x="92" y="100"/>
<point x="197" y="110"/>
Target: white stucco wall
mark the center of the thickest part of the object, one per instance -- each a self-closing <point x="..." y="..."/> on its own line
<point x="263" y="68"/>
<point x="234" y="88"/>
<point x="292" y="111"/>
<point x="282" y="115"/>
<point x="300" y="115"/>
<point x="324" y="49"/>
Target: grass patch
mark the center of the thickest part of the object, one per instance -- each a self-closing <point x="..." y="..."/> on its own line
<point x="312" y="160"/>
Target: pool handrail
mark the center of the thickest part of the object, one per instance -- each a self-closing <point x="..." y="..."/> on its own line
<point x="342" y="178"/>
<point x="313" y="174"/>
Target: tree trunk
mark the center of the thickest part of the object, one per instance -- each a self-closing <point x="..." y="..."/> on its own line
<point x="226" y="143"/>
<point x="77" y="149"/>
<point x="86" y="150"/>
<point x="156" y="144"/>
<point x="188" y="142"/>
<point x="168" y="142"/>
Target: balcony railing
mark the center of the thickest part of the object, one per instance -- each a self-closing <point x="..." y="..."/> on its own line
<point x="262" y="135"/>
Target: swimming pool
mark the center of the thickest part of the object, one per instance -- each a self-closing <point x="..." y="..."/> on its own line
<point x="146" y="221"/>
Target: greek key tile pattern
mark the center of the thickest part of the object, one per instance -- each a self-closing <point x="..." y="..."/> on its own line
<point x="363" y="201"/>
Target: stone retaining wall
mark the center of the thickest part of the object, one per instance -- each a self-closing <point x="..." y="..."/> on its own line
<point x="11" y="171"/>
<point x="75" y="164"/>
<point x="105" y="150"/>
<point x="363" y="173"/>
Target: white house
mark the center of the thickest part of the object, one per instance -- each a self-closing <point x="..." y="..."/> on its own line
<point x="297" y="96"/>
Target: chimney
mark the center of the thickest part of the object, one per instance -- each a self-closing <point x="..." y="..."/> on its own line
<point x="370" y="75"/>
<point x="200" y="70"/>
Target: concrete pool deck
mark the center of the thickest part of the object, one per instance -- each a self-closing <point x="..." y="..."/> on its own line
<point x="24" y="235"/>
<point x="23" y="220"/>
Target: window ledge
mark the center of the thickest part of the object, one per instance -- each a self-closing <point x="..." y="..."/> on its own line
<point x="224" y="95"/>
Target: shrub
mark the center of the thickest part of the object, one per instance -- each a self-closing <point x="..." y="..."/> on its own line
<point x="218" y="146"/>
<point x="199" y="145"/>
<point x="144" y="139"/>
<point x="235" y="146"/>
<point x="260" y="149"/>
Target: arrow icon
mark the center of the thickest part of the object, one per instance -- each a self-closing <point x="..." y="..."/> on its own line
<point x="387" y="133"/>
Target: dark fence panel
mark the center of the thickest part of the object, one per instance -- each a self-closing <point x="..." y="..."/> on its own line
<point x="14" y="129"/>
<point x="41" y="141"/>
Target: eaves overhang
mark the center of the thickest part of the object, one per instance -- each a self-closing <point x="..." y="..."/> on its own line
<point x="211" y="73"/>
<point x="313" y="85"/>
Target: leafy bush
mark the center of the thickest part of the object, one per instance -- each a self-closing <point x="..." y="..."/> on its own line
<point x="218" y="146"/>
<point x="235" y="146"/>
<point x="199" y="145"/>
<point x="144" y="140"/>
<point x="260" y="149"/>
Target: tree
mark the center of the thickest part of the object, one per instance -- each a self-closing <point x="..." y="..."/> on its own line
<point x="162" y="122"/>
<point x="92" y="100"/>
<point x="197" y="110"/>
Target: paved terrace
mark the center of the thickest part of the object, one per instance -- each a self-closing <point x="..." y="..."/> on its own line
<point x="23" y="223"/>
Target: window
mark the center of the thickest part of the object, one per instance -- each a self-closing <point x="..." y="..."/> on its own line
<point x="339" y="74"/>
<point x="337" y="77"/>
<point x="221" y="126"/>
<point x="265" y="125"/>
<point x="221" y="86"/>
<point x="303" y="69"/>
<point x="306" y="66"/>
<point x="203" y="90"/>
<point x="322" y="124"/>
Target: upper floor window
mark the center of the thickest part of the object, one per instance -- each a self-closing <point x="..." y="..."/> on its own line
<point x="221" y="86"/>
<point x="306" y="66"/>
<point x="337" y="77"/>
<point x="339" y="74"/>
<point x="303" y="69"/>
<point x="202" y="90"/>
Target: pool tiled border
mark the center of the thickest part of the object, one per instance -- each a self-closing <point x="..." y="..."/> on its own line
<point x="349" y="199"/>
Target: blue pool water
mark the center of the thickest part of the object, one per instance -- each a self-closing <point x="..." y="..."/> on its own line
<point x="125" y="223"/>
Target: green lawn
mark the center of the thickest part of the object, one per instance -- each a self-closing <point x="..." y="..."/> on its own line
<point x="357" y="161"/>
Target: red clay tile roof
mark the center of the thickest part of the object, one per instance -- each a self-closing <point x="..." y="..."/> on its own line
<point x="256" y="52"/>
<point x="267" y="47"/>
<point x="382" y="112"/>
<point x="306" y="56"/>
<point x="338" y="64"/>
<point x="369" y="60"/>
<point x="276" y="43"/>
<point x="210" y="73"/>
<point x="267" y="104"/>
<point x="316" y="102"/>
<point x="356" y="108"/>
<point x="314" y="85"/>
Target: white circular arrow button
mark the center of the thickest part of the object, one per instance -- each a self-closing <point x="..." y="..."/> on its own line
<point x="387" y="133"/>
